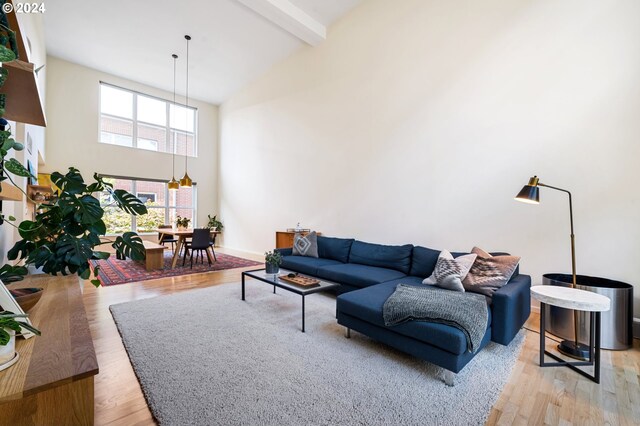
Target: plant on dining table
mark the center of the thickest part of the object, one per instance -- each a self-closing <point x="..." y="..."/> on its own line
<point x="182" y="222"/>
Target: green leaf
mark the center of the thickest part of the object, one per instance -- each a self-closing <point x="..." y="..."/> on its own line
<point x="10" y="273"/>
<point x="100" y="255"/>
<point x="72" y="182"/>
<point x="4" y="337"/>
<point x="128" y="202"/>
<point x="28" y="229"/>
<point x="74" y="251"/>
<point x="20" y="250"/>
<point x="15" y="167"/>
<point x="98" y="227"/>
<point x="130" y="245"/>
<point x="86" y="209"/>
<point x="6" y="54"/>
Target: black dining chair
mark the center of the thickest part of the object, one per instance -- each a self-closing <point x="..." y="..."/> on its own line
<point x="166" y="238"/>
<point x="212" y="244"/>
<point x="200" y="242"/>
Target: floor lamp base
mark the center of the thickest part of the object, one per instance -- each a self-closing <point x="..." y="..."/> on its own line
<point x="574" y="350"/>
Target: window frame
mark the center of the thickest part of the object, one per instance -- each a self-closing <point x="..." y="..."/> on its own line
<point x="169" y="140"/>
<point x="167" y="206"/>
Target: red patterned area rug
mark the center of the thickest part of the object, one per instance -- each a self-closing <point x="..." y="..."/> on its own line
<point x="113" y="271"/>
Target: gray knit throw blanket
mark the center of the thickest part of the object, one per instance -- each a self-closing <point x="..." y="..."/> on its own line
<point x="464" y="311"/>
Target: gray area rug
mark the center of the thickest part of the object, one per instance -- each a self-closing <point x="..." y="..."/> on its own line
<point x="204" y="357"/>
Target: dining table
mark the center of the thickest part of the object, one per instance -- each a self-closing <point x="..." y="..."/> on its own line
<point x="182" y="235"/>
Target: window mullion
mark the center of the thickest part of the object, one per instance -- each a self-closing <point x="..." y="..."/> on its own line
<point x="135" y="120"/>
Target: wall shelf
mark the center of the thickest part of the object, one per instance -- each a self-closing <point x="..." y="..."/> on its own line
<point x="10" y="192"/>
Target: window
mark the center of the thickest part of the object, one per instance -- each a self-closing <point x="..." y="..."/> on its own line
<point x="163" y="206"/>
<point x="135" y="120"/>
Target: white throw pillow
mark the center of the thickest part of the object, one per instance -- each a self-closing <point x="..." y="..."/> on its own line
<point x="450" y="272"/>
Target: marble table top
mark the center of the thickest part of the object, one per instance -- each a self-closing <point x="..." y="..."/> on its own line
<point x="571" y="298"/>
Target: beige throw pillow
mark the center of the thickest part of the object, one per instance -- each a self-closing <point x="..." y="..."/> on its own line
<point x="489" y="273"/>
<point x="450" y="272"/>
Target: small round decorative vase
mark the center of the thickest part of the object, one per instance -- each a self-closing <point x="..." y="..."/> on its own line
<point x="272" y="268"/>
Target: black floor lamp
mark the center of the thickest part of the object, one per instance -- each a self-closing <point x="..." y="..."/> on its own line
<point x="530" y="194"/>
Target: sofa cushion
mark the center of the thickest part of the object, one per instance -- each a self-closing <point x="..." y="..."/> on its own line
<point x="423" y="261"/>
<point x="357" y="275"/>
<point x="366" y="304"/>
<point x="305" y="245"/>
<point x="305" y="264"/>
<point x="334" y="248"/>
<point x="392" y="257"/>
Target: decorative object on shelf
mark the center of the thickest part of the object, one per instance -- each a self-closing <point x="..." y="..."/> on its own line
<point x="530" y="194"/>
<point x="182" y="222"/>
<point x="214" y="224"/>
<point x="186" y="181"/>
<point x="173" y="184"/>
<point x="272" y="261"/>
<point x="27" y="298"/>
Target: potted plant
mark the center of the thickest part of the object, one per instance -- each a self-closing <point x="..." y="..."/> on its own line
<point x="272" y="261"/>
<point x="214" y="224"/>
<point x="182" y="223"/>
<point x="63" y="237"/>
<point x="9" y="325"/>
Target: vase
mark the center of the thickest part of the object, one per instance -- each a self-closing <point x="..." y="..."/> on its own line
<point x="271" y="268"/>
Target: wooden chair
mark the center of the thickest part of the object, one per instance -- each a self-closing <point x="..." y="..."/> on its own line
<point x="200" y="242"/>
<point x="164" y="238"/>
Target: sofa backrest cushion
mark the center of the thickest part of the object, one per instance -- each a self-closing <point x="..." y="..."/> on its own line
<point x="423" y="261"/>
<point x="334" y="248"/>
<point x="382" y="256"/>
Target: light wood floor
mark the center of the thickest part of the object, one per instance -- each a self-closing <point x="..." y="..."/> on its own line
<point x="533" y="395"/>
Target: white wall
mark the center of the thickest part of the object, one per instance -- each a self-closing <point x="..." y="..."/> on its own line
<point x="32" y="27"/>
<point x="418" y="121"/>
<point x="73" y="134"/>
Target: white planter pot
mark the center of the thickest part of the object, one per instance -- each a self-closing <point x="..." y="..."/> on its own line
<point x="8" y="352"/>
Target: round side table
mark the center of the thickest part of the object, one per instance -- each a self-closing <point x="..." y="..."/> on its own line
<point x="580" y="300"/>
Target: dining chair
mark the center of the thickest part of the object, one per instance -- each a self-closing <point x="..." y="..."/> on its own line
<point x="200" y="242"/>
<point x="165" y="238"/>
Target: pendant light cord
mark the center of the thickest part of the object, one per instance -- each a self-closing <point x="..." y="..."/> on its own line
<point x="173" y="160"/>
<point x="186" y="111"/>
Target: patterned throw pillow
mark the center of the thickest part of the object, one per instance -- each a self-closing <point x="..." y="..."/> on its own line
<point x="450" y="272"/>
<point x="489" y="273"/>
<point x="306" y="245"/>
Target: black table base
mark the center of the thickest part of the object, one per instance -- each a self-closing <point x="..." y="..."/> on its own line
<point x="594" y="348"/>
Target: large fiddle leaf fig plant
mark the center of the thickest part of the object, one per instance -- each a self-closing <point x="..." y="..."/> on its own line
<point x="63" y="237"/>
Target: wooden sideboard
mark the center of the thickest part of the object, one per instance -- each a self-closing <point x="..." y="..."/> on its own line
<point x="52" y="382"/>
<point x="284" y="239"/>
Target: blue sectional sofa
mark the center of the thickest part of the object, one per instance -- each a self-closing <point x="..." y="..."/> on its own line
<point x="368" y="274"/>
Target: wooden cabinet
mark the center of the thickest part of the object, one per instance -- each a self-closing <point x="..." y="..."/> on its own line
<point x="284" y="239"/>
<point x="52" y="382"/>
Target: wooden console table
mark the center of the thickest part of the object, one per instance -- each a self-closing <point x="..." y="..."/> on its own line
<point x="52" y="382"/>
<point x="284" y="239"/>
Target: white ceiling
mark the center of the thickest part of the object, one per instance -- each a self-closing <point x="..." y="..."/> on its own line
<point x="231" y="44"/>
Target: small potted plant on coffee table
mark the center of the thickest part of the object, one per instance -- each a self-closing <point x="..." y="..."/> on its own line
<point x="272" y="261"/>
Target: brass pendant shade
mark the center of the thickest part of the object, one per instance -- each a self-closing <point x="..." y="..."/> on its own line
<point x="173" y="184"/>
<point x="186" y="181"/>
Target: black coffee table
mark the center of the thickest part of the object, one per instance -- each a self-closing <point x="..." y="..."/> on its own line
<point x="272" y="279"/>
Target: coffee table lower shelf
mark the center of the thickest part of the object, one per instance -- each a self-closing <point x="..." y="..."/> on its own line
<point x="272" y="279"/>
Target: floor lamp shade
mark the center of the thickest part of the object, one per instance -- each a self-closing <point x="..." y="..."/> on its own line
<point x="530" y="193"/>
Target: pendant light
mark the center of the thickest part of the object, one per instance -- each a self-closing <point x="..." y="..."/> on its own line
<point x="186" y="181"/>
<point x="173" y="184"/>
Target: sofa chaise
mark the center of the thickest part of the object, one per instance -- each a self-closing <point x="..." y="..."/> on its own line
<point x="369" y="273"/>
